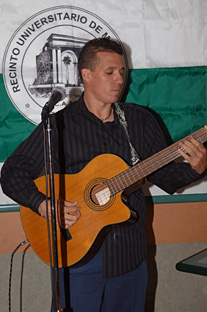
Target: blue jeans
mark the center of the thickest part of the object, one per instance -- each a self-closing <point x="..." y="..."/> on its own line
<point x="84" y="289"/>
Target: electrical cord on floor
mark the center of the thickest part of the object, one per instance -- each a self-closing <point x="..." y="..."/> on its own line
<point x="11" y="264"/>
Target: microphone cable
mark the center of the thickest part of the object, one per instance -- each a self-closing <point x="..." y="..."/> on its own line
<point x="11" y="265"/>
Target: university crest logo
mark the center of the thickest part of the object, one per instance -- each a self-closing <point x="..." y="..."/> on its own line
<point x="43" y="54"/>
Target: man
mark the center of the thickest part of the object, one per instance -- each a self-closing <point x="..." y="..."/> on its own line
<point x="116" y="278"/>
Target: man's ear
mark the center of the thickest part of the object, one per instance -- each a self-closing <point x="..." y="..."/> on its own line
<point x="86" y="74"/>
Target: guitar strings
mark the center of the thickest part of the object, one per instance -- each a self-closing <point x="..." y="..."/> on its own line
<point x="119" y="185"/>
<point x="144" y="168"/>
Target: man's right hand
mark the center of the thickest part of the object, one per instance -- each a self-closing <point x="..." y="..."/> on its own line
<point x="67" y="213"/>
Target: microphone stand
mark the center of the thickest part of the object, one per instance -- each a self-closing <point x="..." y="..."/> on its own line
<point x="56" y="287"/>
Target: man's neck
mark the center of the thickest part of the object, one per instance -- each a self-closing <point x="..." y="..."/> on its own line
<point x="101" y="110"/>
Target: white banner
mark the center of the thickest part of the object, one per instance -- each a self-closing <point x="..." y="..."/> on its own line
<point x="156" y="33"/>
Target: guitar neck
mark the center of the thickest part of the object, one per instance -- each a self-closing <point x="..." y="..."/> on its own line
<point x="151" y="164"/>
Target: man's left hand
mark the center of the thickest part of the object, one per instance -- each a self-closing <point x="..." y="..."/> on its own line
<point x="195" y="153"/>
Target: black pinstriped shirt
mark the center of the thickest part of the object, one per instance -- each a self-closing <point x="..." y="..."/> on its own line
<point x="78" y="137"/>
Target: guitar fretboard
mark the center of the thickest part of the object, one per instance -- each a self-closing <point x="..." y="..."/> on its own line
<point x="151" y="164"/>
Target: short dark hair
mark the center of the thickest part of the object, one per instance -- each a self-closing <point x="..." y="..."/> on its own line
<point x="87" y="57"/>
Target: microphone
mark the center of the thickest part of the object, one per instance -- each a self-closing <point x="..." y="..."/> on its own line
<point x="58" y="94"/>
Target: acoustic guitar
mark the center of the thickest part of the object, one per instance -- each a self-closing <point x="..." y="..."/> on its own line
<point x="101" y="191"/>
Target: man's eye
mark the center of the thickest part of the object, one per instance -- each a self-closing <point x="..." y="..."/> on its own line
<point x="109" y="73"/>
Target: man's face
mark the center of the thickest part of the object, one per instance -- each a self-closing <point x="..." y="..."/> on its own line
<point x="105" y="83"/>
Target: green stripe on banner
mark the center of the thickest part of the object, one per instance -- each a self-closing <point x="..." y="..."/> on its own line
<point x="177" y="95"/>
<point x="14" y="128"/>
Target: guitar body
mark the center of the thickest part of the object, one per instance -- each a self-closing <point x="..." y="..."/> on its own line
<point x="96" y="218"/>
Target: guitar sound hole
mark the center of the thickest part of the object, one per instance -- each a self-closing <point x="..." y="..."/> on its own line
<point x="100" y="194"/>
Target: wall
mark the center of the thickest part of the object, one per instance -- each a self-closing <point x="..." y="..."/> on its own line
<point x="174" y="231"/>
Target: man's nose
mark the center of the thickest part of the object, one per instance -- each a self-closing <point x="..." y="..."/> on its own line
<point x="119" y="78"/>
